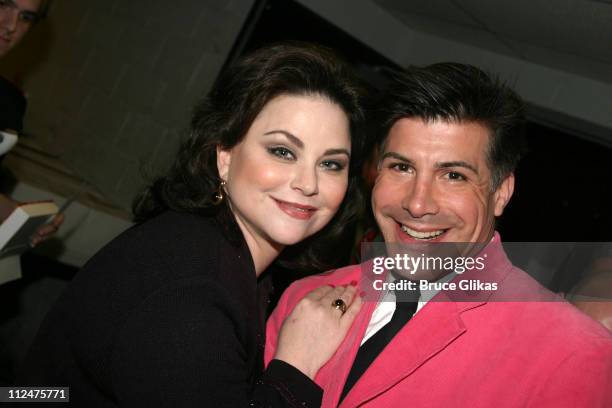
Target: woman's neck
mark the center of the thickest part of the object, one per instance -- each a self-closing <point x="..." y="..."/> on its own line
<point x="263" y="255"/>
<point x="263" y="251"/>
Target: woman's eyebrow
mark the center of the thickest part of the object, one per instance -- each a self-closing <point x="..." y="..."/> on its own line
<point x="329" y="152"/>
<point x="294" y="139"/>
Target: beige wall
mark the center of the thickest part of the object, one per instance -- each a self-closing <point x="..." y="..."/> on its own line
<point x="112" y="83"/>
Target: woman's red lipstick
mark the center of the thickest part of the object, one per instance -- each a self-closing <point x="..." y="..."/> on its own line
<point x="295" y="210"/>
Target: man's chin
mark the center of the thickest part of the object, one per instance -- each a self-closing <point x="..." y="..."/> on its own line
<point x="422" y="274"/>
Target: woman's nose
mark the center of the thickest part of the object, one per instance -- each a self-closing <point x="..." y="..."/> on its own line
<point x="305" y="179"/>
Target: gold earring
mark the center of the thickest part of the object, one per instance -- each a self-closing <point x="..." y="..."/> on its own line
<point x="219" y="194"/>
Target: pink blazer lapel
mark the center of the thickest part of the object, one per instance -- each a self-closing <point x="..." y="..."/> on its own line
<point x="421" y="339"/>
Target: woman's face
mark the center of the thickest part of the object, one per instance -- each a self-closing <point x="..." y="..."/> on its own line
<point x="288" y="176"/>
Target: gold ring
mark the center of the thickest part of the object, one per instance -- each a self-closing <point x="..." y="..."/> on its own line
<point x="340" y="305"/>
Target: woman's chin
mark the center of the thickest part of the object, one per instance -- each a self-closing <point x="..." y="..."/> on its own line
<point x="288" y="238"/>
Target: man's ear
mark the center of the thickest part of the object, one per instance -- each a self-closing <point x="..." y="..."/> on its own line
<point x="224" y="158"/>
<point x="502" y="195"/>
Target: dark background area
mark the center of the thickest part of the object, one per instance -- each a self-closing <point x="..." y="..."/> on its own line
<point x="563" y="190"/>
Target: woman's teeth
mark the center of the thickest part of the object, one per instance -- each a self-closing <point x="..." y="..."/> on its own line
<point x="422" y="235"/>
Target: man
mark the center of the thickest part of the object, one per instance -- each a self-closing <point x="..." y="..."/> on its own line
<point x="445" y="174"/>
<point x="16" y="19"/>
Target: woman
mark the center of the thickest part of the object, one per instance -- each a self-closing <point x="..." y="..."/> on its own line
<point x="167" y="314"/>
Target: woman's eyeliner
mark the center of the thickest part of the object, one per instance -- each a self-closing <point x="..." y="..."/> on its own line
<point x="284" y="153"/>
<point x="281" y="152"/>
<point x="333" y="165"/>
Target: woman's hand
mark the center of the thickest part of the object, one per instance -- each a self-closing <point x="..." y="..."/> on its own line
<point x="315" y="328"/>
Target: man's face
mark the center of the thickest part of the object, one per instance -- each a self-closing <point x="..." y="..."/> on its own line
<point x="434" y="184"/>
<point x="16" y="18"/>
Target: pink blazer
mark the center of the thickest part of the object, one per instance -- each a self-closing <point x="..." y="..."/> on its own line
<point x="540" y="353"/>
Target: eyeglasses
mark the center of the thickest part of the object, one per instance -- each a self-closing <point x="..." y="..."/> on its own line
<point x="25" y="16"/>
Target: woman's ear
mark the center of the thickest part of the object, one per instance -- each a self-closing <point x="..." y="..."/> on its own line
<point x="224" y="158"/>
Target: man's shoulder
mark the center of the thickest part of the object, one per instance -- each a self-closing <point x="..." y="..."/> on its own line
<point x="548" y="311"/>
<point x="335" y="277"/>
<point x="562" y="319"/>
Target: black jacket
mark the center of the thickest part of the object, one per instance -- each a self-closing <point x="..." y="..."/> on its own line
<point x="12" y="106"/>
<point x="166" y="315"/>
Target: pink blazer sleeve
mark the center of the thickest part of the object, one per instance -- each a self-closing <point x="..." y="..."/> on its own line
<point x="583" y="379"/>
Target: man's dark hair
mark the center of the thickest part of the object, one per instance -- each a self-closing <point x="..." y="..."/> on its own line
<point x="45" y="5"/>
<point x="454" y="92"/>
<point x="223" y="117"/>
<point x="43" y="10"/>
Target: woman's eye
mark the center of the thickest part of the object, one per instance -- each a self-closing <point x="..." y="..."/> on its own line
<point x="281" y="152"/>
<point x="453" y="175"/>
<point x="333" y="165"/>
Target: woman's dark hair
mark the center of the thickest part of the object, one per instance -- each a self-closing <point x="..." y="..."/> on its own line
<point x="224" y="116"/>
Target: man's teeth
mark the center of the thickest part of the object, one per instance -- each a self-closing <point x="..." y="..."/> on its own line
<point x="422" y="235"/>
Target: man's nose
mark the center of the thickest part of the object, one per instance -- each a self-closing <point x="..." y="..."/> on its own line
<point x="305" y="179"/>
<point x="9" y="19"/>
<point x="420" y="198"/>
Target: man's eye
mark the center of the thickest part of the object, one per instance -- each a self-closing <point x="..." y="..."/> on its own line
<point x="28" y="17"/>
<point x="281" y="152"/>
<point x="333" y="165"/>
<point x="453" y="175"/>
<point x="401" y="167"/>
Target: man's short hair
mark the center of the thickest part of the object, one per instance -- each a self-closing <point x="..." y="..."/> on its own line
<point x="454" y="92"/>
<point x="43" y="11"/>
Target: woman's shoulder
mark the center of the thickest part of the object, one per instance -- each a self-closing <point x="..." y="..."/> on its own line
<point x="168" y="234"/>
<point x="171" y="251"/>
<point x="176" y="225"/>
<point x="170" y="247"/>
<point x="172" y="263"/>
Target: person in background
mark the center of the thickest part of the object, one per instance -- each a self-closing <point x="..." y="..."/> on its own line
<point x="592" y="293"/>
<point x="452" y="139"/>
<point x="170" y="313"/>
<point x="16" y="19"/>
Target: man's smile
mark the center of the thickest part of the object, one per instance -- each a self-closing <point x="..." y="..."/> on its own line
<point x="422" y="234"/>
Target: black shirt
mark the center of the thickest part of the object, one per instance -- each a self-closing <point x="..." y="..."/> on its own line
<point x="12" y="106"/>
<point x="166" y="315"/>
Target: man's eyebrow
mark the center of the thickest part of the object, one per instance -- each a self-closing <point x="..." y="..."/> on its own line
<point x="30" y="14"/>
<point x="457" y="163"/>
<point x="294" y="139"/>
<point x="396" y="156"/>
<point x="442" y="165"/>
